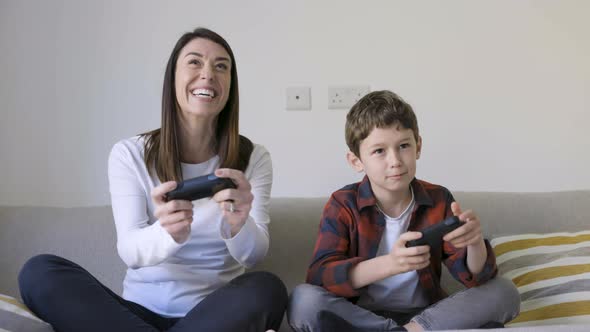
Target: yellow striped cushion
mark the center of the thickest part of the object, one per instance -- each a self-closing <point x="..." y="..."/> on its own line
<point x="552" y="274"/>
<point x="15" y="316"/>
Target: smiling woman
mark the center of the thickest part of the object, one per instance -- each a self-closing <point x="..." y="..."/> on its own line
<point x="203" y="76"/>
<point x="186" y="260"/>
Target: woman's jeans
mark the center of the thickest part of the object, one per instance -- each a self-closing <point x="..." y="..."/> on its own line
<point x="69" y="298"/>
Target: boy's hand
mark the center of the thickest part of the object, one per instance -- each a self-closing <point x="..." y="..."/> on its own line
<point x="468" y="234"/>
<point x="409" y="259"/>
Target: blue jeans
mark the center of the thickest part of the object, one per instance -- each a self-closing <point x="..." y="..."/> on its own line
<point x="69" y="298"/>
<point x="495" y="301"/>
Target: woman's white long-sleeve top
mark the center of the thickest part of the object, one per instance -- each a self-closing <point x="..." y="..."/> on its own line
<point x="171" y="278"/>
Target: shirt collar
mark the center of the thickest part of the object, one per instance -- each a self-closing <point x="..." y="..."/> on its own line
<point x="365" y="196"/>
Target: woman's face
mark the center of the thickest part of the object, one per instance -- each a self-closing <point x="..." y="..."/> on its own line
<point x="203" y="78"/>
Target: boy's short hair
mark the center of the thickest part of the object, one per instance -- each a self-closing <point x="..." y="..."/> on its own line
<point x="378" y="109"/>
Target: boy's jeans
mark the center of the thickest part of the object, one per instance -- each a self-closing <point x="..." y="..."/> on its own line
<point x="495" y="301"/>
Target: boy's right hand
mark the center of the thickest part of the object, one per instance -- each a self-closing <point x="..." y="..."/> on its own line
<point x="176" y="215"/>
<point x="409" y="259"/>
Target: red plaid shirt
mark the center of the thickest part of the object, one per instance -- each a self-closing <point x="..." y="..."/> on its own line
<point x="351" y="229"/>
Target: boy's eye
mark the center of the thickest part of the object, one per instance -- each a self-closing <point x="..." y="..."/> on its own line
<point x="378" y="151"/>
<point x="405" y="145"/>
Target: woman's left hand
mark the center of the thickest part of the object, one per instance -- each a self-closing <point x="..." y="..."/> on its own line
<point x="235" y="204"/>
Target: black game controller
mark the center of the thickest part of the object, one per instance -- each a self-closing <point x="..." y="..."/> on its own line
<point x="199" y="187"/>
<point x="433" y="235"/>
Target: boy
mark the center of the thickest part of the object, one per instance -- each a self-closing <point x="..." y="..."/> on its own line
<point x="362" y="277"/>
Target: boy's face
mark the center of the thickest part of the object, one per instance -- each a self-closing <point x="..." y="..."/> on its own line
<point x="388" y="157"/>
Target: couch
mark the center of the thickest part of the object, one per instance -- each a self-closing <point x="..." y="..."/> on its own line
<point x="86" y="235"/>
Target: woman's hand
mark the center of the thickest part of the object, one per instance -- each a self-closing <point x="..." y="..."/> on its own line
<point x="176" y="215"/>
<point x="235" y="204"/>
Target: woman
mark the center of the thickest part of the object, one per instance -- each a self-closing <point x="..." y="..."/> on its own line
<point x="186" y="260"/>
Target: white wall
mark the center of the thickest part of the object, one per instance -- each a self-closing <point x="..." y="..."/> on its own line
<point x="501" y="88"/>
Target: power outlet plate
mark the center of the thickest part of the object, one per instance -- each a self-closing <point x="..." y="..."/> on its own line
<point x="298" y="98"/>
<point x="340" y="97"/>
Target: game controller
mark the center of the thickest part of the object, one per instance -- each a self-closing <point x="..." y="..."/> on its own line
<point x="199" y="187"/>
<point x="433" y="235"/>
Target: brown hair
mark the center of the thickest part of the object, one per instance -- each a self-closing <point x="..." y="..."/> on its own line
<point x="378" y="109"/>
<point x="161" y="146"/>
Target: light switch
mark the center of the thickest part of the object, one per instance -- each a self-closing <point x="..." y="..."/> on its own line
<point x="298" y="98"/>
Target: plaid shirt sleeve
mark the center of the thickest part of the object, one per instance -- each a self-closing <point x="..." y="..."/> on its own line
<point x="331" y="260"/>
<point x="456" y="261"/>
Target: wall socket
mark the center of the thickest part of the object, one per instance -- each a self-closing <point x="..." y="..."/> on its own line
<point x="340" y="97"/>
<point x="298" y="98"/>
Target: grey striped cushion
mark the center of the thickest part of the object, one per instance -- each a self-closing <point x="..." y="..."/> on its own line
<point x="552" y="274"/>
<point x="14" y="316"/>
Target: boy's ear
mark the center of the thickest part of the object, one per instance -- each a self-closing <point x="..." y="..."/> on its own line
<point x="418" y="147"/>
<point x="355" y="161"/>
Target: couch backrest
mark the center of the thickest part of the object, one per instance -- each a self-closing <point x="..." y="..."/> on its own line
<point x="86" y="235"/>
<point x="293" y="232"/>
<point x="515" y="213"/>
<point x="294" y="223"/>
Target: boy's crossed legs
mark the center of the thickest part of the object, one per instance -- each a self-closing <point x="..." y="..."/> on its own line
<point x="495" y="301"/>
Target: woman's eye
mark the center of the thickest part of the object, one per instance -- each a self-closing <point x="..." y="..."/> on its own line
<point x="194" y="62"/>
<point x="222" y="66"/>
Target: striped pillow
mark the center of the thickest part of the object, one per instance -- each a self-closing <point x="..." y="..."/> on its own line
<point x="552" y="274"/>
<point x="15" y="316"/>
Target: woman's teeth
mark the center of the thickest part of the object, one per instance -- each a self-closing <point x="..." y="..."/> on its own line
<point x="204" y="93"/>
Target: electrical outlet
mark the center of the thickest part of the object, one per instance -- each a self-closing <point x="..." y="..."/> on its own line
<point x="345" y="96"/>
<point x="299" y="98"/>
